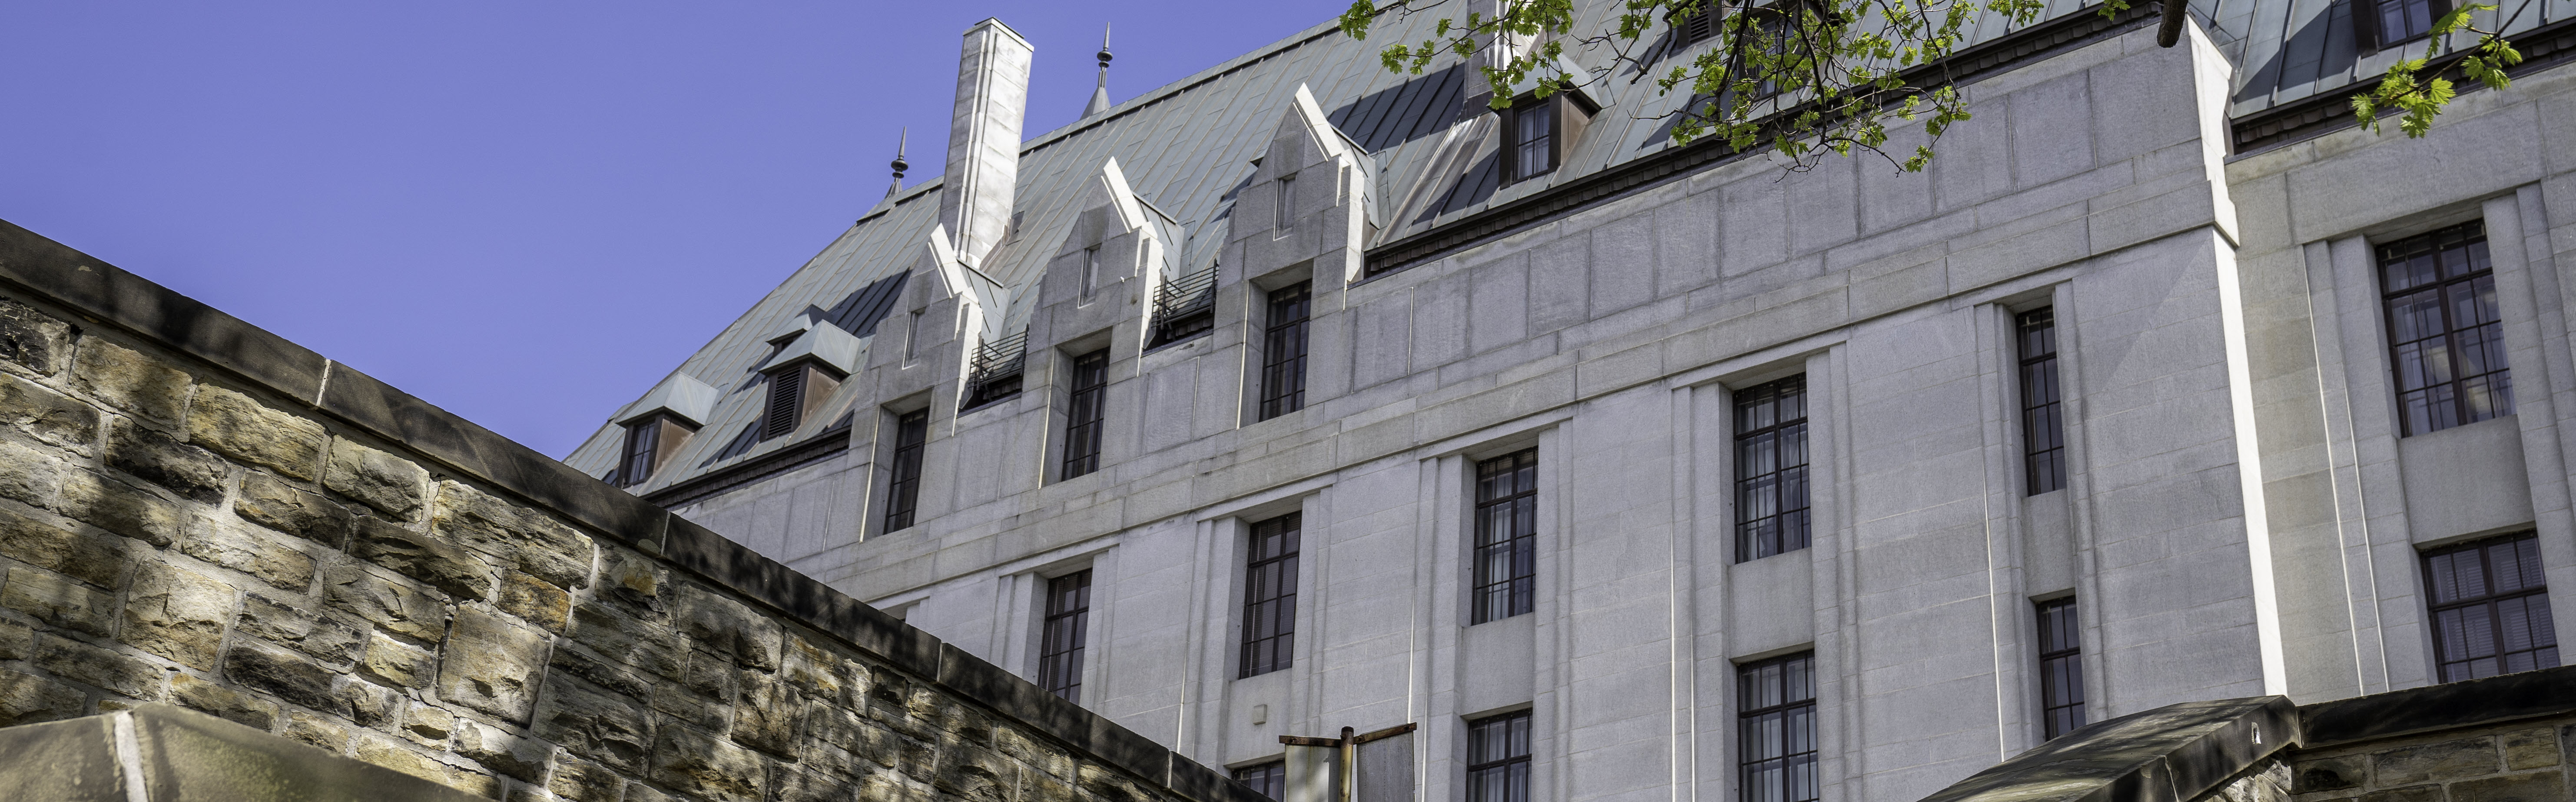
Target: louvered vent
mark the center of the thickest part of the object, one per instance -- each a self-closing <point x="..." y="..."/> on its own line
<point x="786" y="403"/>
<point x="1695" y="25"/>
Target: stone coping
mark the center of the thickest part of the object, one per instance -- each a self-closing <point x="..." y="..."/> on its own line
<point x="2169" y="754"/>
<point x="106" y="295"/>
<point x="2529" y="694"/>
<point x="164" y="752"/>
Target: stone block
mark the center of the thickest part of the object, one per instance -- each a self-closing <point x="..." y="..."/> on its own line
<point x="251" y="552"/>
<point x="766" y="714"/>
<point x="2433" y="762"/>
<point x="29" y="475"/>
<point x="27" y="699"/>
<point x="703" y="765"/>
<point x="535" y="600"/>
<point x="232" y="424"/>
<point x="58" y="601"/>
<point x="975" y="772"/>
<point x="639" y="792"/>
<point x="89" y="558"/>
<point x="102" y="668"/>
<point x="2537" y="786"/>
<point x="590" y="721"/>
<point x="459" y="571"/>
<point x="814" y="671"/>
<point x="271" y="502"/>
<point x="390" y="484"/>
<point x="534" y="541"/>
<point x="34" y="339"/>
<point x="2530" y="749"/>
<point x="16" y="642"/>
<point x="652" y="646"/>
<point x="318" y="731"/>
<point x="399" y="608"/>
<point x="2327" y="774"/>
<point x="385" y="752"/>
<point x="393" y="661"/>
<point x="632" y="579"/>
<point x="225" y="703"/>
<point x="492" y="665"/>
<point x="571" y="658"/>
<point x="1101" y="782"/>
<point x="330" y="640"/>
<point x="128" y="379"/>
<point x="371" y="705"/>
<point x="291" y="677"/>
<point x="177" y="613"/>
<point x="162" y="460"/>
<point x="47" y="415"/>
<point x="584" y="781"/>
<point x="809" y="786"/>
<point x="429" y="726"/>
<point x="728" y="627"/>
<point x="121" y="508"/>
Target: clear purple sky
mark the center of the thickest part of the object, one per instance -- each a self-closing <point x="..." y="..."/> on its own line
<point x="525" y="213"/>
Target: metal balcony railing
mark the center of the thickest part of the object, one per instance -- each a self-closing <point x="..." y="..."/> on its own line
<point x="1184" y="307"/>
<point x="993" y="373"/>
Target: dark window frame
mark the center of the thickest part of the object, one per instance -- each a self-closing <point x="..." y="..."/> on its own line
<point x="2043" y="409"/>
<point x="1085" y="412"/>
<point x="2061" y="666"/>
<point x="2371" y="18"/>
<point x="1761" y="700"/>
<point x="903" y="469"/>
<point x="640" y="457"/>
<point x="1283" y="351"/>
<point x="1063" y="634"/>
<point x="2451" y="616"/>
<point x="2460" y="270"/>
<point x="1766" y="484"/>
<point x="1498" y="758"/>
<point x="1267" y="779"/>
<point x="1504" y="580"/>
<point x="784" y="409"/>
<point x="1270" y="595"/>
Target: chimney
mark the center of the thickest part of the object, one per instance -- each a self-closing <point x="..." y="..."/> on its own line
<point x="984" y="138"/>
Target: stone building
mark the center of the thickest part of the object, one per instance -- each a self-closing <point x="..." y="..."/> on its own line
<point x="1298" y="395"/>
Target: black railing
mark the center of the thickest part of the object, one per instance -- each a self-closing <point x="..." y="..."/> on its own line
<point x="1184" y="307"/>
<point x="994" y="372"/>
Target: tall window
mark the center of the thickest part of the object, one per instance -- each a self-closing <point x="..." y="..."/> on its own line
<point x="2490" y="608"/>
<point x="2446" y="339"/>
<point x="1498" y="756"/>
<point x="1267" y="779"/>
<point x="786" y="406"/>
<point x="1283" y="353"/>
<point x="1283" y="214"/>
<point x="643" y="442"/>
<point x="1270" y="596"/>
<point x="1533" y="139"/>
<point x="1506" y="580"/>
<point x="1068" y="620"/>
<point x="1084" y="414"/>
<point x="2061" y="668"/>
<point x="1771" y="469"/>
<point x="903" y="486"/>
<point x="1775" y="743"/>
<point x="1090" y="271"/>
<point x="2043" y="424"/>
<point x="911" y="337"/>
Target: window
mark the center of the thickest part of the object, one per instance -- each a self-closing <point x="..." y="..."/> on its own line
<point x="2061" y="668"/>
<point x="1533" y="140"/>
<point x="1506" y="535"/>
<point x="1775" y="743"/>
<point x="1694" y="25"/>
<point x="1771" y="469"/>
<point x="1268" y="779"/>
<point x="1283" y="215"/>
<point x="2385" y="23"/>
<point x="2490" y="608"/>
<point x="2447" y="341"/>
<point x="2043" y="427"/>
<point x="1084" y="413"/>
<point x="1283" y="353"/>
<point x="912" y="338"/>
<point x="1090" y="271"/>
<point x="1270" y="596"/>
<point x="903" y="485"/>
<point x="786" y="406"/>
<point x="1498" y="756"/>
<point x="643" y="439"/>
<point x="1068" y="619"/>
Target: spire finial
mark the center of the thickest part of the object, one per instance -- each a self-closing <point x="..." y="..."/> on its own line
<point x="1100" y="95"/>
<point x="899" y="165"/>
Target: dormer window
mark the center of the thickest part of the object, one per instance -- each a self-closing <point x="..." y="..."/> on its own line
<point x="794" y="391"/>
<point x="650" y="441"/>
<point x="2387" y="23"/>
<point x="1538" y="132"/>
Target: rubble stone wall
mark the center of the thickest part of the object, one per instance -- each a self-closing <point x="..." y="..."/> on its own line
<point x="195" y="511"/>
<point x="2505" y="762"/>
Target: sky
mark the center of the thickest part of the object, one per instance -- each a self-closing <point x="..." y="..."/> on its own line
<point x="525" y="213"/>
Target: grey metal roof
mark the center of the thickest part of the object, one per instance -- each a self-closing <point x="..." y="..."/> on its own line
<point x="1187" y="149"/>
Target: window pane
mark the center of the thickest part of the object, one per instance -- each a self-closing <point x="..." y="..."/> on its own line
<point x="2489" y="608"/>
<point x="2445" y="338"/>
<point x="1770" y="469"/>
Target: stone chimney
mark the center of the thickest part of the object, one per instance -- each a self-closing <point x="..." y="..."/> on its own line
<point x="984" y="138"/>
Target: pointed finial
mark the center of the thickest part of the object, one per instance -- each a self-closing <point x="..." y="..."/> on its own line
<point x="1100" y="94"/>
<point x="899" y="165"/>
